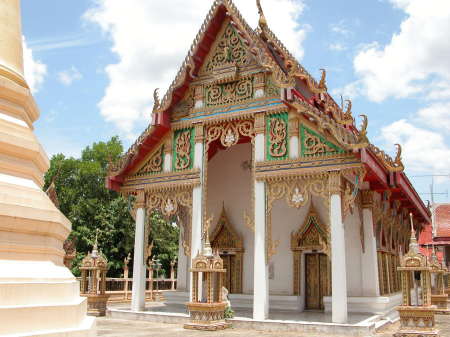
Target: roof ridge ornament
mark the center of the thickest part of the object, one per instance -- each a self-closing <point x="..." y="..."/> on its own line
<point x="362" y="138"/>
<point x="156" y="101"/>
<point x="262" y="23"/>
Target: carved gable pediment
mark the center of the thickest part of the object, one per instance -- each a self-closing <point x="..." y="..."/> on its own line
<point x="224" y="236"/>
<point x="228" y="55"/>
<point x="154" y="164"/>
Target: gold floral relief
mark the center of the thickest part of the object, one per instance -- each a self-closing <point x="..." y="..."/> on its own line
<point x="171" y="203"/>
<point x="278" y="137"/>
<point x="229" y="50"/>
<point x="183" y="150"/>
<point x="313" y="145"/>
<point x="154" y="165"/>
<point x="229" y="133"/>
<point x="228" y="93"/>
<point x="184" y="107"/>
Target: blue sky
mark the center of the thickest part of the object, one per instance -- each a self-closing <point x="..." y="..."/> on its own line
<point x="103" y="58"/>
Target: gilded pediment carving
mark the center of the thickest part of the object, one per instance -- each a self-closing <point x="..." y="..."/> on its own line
<point x="229" y="54"/>
<point x="225" y="236"/>
<point x="312" y="234"/>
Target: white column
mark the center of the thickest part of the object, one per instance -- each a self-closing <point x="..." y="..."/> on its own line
<point x="293" y="147"/>
<point x="197" y="205"/>
<point x="260" y="266"/>
<point x="167" y="162"/>
<point x="182" y="269"/>
<point x="139" y="267"/>
<point x="260" y="278"/>
<point x="338" y="263"/>
<point x="294" y="144"/>
<point x="370" y="283"/>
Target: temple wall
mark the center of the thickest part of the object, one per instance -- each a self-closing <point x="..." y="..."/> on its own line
<point x="286" y="220"/>
<point x="230" y="184"/>
<point x="353" y="253"/>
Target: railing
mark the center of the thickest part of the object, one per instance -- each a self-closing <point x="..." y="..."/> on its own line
<point x="121" y="288"/>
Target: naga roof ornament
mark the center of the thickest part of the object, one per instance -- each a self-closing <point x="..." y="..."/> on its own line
<point x="156" y="102"/>
<point x="392" y="165"/>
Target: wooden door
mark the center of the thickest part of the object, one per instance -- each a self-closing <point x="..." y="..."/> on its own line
<point x="227" y="277"/>
<point x="316" y="277"/>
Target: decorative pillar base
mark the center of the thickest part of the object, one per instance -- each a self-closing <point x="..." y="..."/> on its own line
<point x="417" y="322"/>
<point x="207" y="316"/>
<point x="440" y="301"/>
<point x="96" y="304"/>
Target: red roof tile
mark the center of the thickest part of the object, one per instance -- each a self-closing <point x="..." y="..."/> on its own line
<point x="428" y="252"/>
<point x="426" y="235"/>
<point x="442" y="218"/>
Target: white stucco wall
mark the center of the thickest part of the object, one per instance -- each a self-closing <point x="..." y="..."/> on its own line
<point x="230" y="184"/>
<point x="353" y="252"/>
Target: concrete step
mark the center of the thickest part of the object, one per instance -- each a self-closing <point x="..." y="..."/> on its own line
<point x="18" y="319"/>
<point x="86" y="329"/>
<point x="35" y="293"/>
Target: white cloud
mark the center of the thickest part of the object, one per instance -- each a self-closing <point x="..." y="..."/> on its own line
<point x="151" y="39"/>
<point x="35" y="70"/>
<point x="414" y="58"/>
<point x="423" y="150"/>
<point x="67" y="77"/>
<point x="337" y="46"/>
<point x="436" y="115"/>
<point x="340" y="28"/>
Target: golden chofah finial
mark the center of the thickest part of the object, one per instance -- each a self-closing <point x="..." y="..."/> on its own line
<point x="323" y="80"/>
<point x="156" y="102"/>
<point x="262" y="19"/>
<point x="398" y="157"/>
<point x="363" y="132"/>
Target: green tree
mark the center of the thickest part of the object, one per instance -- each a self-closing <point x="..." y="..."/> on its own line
<point x="84" y="199"/>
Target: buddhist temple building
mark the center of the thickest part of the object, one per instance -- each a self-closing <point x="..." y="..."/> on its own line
<point x="39" y="296"/>
<point x="307" y="213"/>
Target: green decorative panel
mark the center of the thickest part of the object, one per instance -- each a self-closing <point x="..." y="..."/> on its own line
<point x="314" y="144"/>
<point x="183" y="149"/>
<point x="277" y="136"/>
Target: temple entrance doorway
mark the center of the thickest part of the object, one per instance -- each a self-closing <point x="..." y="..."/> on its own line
<point x="316" y="280"/>
<point x="229" y="263"/>
<point x="229" y="244"/>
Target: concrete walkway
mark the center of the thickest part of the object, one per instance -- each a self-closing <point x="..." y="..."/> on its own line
<point x="120" y="328"/>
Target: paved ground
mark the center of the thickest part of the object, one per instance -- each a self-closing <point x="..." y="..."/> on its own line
<point x="120" y="328"/>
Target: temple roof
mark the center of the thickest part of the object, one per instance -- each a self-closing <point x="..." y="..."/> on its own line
<point x="299" y="91"/>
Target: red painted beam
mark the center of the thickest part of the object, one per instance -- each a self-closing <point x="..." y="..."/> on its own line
<point x="404" y="183"/>
<point x="373" y="165"/>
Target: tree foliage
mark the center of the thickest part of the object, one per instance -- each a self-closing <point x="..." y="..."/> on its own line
<point x="83" y="198"/>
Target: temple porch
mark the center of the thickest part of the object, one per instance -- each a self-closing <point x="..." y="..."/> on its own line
<point x="318" y="322"/>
